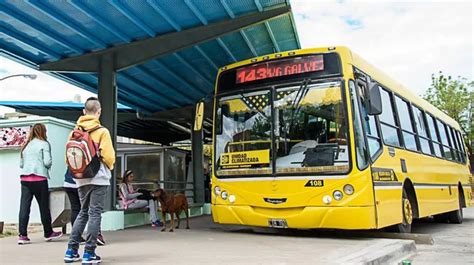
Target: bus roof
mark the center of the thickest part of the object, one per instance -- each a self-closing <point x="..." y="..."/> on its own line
<point x="354" y="59"/>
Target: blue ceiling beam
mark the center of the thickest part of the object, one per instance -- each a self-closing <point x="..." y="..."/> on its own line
<point x="177" y="77"/>
<point x="181" y="60"/>
<point x="208" y="59"/>
<point x="163" y="84"/>
<point x="30" y="42"/>
<point x="146" y="88"/>
<point x="66" y="22"/>
<point x="204" y="21"/>
<point x="36" y="26"/>
<point x="159" y="10"/>
<point x="242" y="32"/>
<point x="79" y="4"/>
<point x="125" y="38"/>
<point x="136" y="20"/>
<point x="267" y="26"/>
<point x="177" y="27"/>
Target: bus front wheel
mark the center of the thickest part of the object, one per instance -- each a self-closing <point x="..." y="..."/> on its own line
<point x="407" y="213"/>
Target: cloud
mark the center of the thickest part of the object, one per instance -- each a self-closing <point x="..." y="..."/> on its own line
<point x="407" y="40"/>
<point x="43" y="88"/>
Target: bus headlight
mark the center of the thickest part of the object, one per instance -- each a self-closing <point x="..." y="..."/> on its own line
<point x="327" y="199"/>
<point x="348" y="189"/>
<point x="224" y="195"/>
<point x="337" y="195"/>
<point x="217" y="190"/>
<point x="232" y="198"/>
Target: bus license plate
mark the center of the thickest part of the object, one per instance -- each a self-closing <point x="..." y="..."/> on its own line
<point x="277" y="223"/>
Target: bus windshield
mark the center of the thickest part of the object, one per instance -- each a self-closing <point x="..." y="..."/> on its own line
<point x="310" y="134"/>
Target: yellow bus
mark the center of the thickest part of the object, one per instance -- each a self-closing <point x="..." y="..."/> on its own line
<point x="319" y="138"/>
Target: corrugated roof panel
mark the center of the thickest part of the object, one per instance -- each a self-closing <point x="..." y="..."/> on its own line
<point x="34" y="32"/>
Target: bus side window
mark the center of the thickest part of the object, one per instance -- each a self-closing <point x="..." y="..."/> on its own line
<point x="370" y="125"/>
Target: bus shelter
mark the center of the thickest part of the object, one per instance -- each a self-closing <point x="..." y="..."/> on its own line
<point x="152" y="56"/>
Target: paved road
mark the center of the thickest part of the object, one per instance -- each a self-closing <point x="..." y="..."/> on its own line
<point x="454" y="243"/>
<point x="208" y="243"/>
<point x="205" y="243"/>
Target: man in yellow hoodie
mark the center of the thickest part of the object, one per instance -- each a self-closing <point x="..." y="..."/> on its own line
<point x="92" y="191"/>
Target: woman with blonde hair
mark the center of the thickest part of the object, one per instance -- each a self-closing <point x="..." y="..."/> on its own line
<point x="35" y="162"/>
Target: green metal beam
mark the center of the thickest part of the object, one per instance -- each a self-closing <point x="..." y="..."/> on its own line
<point x="138" y="52"/>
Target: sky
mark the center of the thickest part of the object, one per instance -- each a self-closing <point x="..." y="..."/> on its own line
<point x="408" y="40"/>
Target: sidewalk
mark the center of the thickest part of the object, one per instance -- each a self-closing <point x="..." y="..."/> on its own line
<point x="204" y="243"/>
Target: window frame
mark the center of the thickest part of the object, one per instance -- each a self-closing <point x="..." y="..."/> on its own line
<point x="414" y="133"/>
<point x="395" y="119"/>
<point x="427" y="129"/>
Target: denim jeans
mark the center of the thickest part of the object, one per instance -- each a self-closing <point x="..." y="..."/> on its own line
<point x="92" y="203"/>
<point x="73" y="196"/>
<point x="38" y="189"/>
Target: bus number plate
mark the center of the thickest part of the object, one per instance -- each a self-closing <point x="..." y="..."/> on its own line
<point x="315" y="183"/>
<point x="277" y="223"/>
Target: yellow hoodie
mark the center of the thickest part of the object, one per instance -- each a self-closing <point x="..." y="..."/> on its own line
<point x="101" y="137"/>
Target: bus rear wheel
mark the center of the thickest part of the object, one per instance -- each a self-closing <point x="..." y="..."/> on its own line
<point x="456" y="216"/>
<point x="407" y="213"/>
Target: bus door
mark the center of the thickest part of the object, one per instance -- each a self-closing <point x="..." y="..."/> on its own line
<point x="383" y="162"/>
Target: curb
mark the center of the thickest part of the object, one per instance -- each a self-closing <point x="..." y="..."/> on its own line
<point x="385" y="251"/>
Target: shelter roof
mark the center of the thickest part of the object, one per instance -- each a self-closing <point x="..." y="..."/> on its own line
<point x="38" y="33"/>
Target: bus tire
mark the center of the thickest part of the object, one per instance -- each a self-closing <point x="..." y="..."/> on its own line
<point x="407" y="214"/>
<point x="456" y="216"/>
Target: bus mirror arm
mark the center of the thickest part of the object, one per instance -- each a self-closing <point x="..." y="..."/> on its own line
<point x="375" y="100"/>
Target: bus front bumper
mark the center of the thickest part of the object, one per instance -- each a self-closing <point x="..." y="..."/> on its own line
<point x="298" y="217"/>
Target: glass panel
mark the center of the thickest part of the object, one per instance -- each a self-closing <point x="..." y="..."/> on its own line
<point x="374" y="146"/>
<point x="442" y="133"/>
<point x="390" y="135"/>
<point x="425" y="146"/>
<point x="447" y="152"/>
<point x="361" y="151"/>
<point x="243" y="147"/>
<point x="146" y="168"/>
<point x="175" y="172"/>
<point x="372" y="128"/>
<point x="410" y="142"/>
<point x="118" y="166"/>
<point x="437" y="148"/>
<point x="403" y="114"/>
<point x="387" y="113"/>
<point x="433" y="134"/>
<point x="312" y="135"/>
<point x="420" y="122"/>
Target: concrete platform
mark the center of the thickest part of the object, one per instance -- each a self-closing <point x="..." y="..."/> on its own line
<point x="208" y="243"/>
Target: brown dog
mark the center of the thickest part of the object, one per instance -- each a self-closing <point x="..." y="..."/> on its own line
<point x="172" y="204"/>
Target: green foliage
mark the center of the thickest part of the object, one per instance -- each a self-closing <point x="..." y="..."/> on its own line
<point x="456" y="98"/>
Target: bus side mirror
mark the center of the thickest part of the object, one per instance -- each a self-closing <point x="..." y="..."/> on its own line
<point x="221" y="112"/>
<point x="199" y="116"/>
<point x="375" y="100"/>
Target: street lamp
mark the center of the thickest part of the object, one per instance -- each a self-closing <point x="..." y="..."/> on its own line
<point x="30" y="76"/>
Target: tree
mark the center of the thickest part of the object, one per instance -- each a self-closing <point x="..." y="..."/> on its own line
<point x="456" y="98"/>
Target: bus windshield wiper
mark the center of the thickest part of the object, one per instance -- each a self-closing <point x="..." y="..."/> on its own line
<point x="300" y="94"/>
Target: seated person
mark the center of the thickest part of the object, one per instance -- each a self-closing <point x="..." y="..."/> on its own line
<point x="133" y="199"/>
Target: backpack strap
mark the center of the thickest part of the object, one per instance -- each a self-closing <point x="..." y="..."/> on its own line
<point x="95" y="128"/>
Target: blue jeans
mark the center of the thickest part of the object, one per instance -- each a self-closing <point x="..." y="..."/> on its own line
<point x="92" y="203"/>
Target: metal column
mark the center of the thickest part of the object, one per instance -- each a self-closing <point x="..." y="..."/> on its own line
<point x="107" y="93"/>
<point x="197" y="160"/>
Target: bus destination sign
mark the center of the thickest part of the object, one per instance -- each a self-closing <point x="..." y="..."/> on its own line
<point x="279" y="68"/>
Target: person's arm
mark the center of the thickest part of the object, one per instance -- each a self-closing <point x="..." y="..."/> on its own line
<point x="21" y="162"/>
<point x="107" y="151"/>
<point x="126" y="194"/>
<point x="47" y="160"/>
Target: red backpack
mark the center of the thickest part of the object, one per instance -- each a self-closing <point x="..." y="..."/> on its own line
<point x="82" y="154"/>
